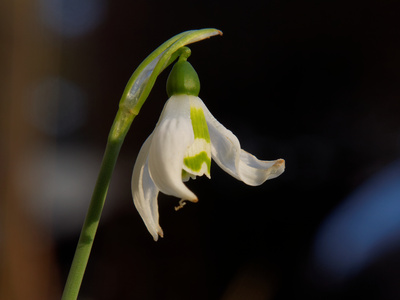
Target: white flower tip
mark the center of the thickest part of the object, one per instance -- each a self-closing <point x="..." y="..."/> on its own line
<point x="280" y="163"/>
<point x="158" y="233"/>
<point x="277" y="168"/>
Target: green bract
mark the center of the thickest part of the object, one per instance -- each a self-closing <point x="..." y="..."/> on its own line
<point x="183" y="79"/>
<point x="144" y="77"/>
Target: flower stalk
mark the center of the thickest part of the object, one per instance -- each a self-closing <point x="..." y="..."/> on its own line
<point x="135" y="94"/>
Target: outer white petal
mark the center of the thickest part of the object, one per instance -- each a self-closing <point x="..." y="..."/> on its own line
<point x="171" y="137"/>
<point x="226" y="152"/>
<point x="145" y="192"/>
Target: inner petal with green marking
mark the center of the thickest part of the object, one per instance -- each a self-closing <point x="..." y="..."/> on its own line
<point x="197" y="160"/>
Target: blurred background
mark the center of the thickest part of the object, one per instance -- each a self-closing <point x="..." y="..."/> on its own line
<point x="313" y="82"/>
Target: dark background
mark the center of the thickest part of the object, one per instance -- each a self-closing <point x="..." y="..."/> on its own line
<point x="313" y="82"/>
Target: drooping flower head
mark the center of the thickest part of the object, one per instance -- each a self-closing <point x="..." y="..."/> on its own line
<point x="181" y="147"/>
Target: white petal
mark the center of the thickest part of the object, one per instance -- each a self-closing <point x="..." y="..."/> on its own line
<point x="145" y="192"/>
<point x="226" y="152"/>
<point x="171" y="137"/>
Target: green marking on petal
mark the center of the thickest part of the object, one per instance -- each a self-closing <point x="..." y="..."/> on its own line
<point x="195" y="163"/>
<point x="197" y="160"/>
<point x="199" y="123"/>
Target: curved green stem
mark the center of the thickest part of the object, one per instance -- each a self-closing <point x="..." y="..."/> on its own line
<point x="142" y="81"/>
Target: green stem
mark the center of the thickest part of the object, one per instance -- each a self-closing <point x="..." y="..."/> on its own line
<point x="116" y="138"/>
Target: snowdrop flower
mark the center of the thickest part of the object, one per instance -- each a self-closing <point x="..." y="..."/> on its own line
<point x="181" y="147"/>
